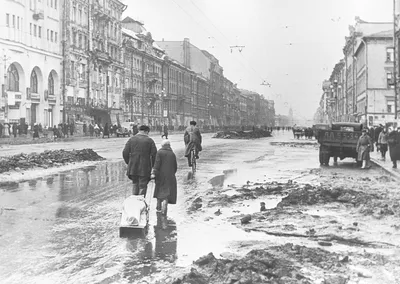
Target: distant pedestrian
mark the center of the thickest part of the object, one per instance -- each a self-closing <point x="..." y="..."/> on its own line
<point x="14" y="130"/>
<point x="364" y="147"/>
<point x="164" y="171"/>
<point x="382" y="143"/>
<point x="85" y="129"/>
<point x="35" y="131"/>
<point x="394" y="146"/>
<point x="135" y="129"/>
<point x="165" y="132"/>
<point x="72" y="128"/>
<point x="106" y="131"/>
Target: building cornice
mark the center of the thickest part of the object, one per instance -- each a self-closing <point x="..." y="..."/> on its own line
<point x="30" y="49"/>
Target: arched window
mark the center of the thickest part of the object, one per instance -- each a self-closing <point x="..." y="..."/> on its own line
<point x="13" y="79"/>
<point x="34" y="82"/>
<point x="50" y="85"/>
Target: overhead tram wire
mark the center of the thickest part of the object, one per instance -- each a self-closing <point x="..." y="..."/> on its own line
<point x="249" y="67"/>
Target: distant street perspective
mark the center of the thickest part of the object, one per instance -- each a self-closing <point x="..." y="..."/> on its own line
<point x="199" y="142"/>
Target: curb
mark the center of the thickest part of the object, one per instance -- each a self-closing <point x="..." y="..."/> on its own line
<point x="386" y="169"/>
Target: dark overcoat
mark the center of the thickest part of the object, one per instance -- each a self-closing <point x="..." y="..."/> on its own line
<point x="394" y="145"/>
<point x="165" y="169"/>
<point x="139" y="154"/>
<point x="192" y="138"/>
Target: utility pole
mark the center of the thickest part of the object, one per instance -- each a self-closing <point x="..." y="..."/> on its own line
<point x="88" y="56"/>
<point x="394" y="59"/>
<point x="64" y="82"/>
<point x="143" y="89"/>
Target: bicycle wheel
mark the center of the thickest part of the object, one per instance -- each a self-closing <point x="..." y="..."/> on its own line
<point x="193" y="160"/>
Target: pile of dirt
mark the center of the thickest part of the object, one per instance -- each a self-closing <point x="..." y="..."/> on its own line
<point x="277" y="264"/>
<point x="310" y="195"/>
<point x="47" y="159"/>
<point x="258" y="133"/>
<point x="254" y="191"/>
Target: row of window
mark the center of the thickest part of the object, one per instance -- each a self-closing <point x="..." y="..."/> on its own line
<point x="13" y="21"/>
<point x="13" y="81"/>
<point x="51" y="3"/>
<point x="36" y="31"/>
<point x="79" y="40"/>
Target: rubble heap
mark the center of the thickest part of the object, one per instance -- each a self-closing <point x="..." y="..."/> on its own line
<point x="278" y="264"/>
<point x="258" y="133"/>
<point x="47" y="159"/>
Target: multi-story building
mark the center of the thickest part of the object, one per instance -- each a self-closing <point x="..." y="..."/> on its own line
<point x="354" y="99"/>
<point x="145" y="91"/>
<point x="92" y="64"/>
<point x="30" y="57"/>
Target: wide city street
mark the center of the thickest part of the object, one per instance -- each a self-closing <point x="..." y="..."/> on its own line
<point x="64" y="227"/>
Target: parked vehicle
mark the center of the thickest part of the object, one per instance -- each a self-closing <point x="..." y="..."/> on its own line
<point x="124" y="130"/>
<point x="340" y="141"/>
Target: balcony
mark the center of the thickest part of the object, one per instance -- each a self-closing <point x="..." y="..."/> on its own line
<point x="35" y="96"/>
<point x="102" y="56"/>
<point x="151" y="76"/>
<point x="130" y="91"/>
<point x="52" y="99"/>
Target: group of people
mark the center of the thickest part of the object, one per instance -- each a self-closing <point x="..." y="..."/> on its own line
<point x="384" y="139"/>
<point x="306" y="132"/>
<point x="146" y="163"/>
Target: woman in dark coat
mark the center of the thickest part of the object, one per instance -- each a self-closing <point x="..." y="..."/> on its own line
<point x="164" y="171"/>
<point x="394" y="146"/>
<point x="35" y="131"/>
<point x="106" y="131"/>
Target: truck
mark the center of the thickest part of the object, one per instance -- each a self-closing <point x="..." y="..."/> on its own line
<point x="339" y="141"/>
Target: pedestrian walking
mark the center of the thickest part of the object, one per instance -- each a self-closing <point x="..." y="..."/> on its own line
<point x="165" y="130"/>
<point x="140" y="154"/>
<point x="35" y="131"/>
<point x="6" y="130"/>
<point x="97" y="130"/>
<point x="91" y="129"/>
<point x="85" y="129"/>
<point x="364" y="147"/>
<point x="394" y="146"/>
<point x="14" y="130"/>
<point x="163" y="172"/>
<point x="106" y="131"/>
<point x="135" y="129"/>
<point x="382" y="143"/>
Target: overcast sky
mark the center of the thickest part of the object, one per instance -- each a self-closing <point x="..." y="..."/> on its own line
<point x="292" y="44"/>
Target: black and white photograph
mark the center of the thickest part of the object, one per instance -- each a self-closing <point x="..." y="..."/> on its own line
<point x="200" y="141"/>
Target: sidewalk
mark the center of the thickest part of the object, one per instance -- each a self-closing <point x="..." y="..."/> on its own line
<point x="385" y="165"/>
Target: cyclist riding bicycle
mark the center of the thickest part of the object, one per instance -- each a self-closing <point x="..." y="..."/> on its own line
<point x="192" y="138"/>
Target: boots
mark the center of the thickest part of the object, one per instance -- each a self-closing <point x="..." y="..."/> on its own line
<point x="364" y="163"/>
<point x="158" y="208"/>
<point x="164" y="207"/>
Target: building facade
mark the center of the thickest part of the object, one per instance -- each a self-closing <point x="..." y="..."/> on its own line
<point x="92" y="65"/>
<point x="31" y="59"/>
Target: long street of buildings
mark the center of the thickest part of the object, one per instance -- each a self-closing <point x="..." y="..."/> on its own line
<point x="79" y="62"/>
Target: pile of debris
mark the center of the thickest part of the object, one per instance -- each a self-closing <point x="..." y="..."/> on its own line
<point x="278" y="264"/>
<point x="47" y="159"/>
<point x="257" y="133"/>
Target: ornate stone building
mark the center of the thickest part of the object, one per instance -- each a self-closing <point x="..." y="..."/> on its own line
<point x="93" y="66"/>
<point x="144" y="98"/>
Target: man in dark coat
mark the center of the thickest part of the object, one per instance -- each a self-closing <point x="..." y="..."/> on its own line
<point x="135" y="129"/>
<point x="192" y="138"/>
<point x="394" y="146"/>
<point x="14" y="130"/>
<point x="140" y="154"/>
<point x="106" y="131"/>
<point x="164" y="171"/>
<point x="165" y="130"/>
